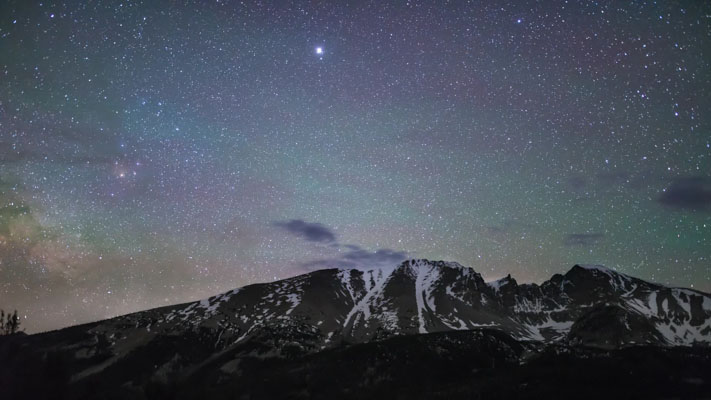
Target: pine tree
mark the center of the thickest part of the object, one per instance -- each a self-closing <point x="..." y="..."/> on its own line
<point x="10" y="323"/>
<point x="15" y="323"/>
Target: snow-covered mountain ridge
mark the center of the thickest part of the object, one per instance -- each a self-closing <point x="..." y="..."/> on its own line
<point x="589" y="307"/>
<point x="421" y="296"/>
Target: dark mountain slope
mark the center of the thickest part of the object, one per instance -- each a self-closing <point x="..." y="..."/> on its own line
<point x="439" y="313"/>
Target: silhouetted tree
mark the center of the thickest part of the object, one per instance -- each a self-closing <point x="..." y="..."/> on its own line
<point x="10" y="323"/>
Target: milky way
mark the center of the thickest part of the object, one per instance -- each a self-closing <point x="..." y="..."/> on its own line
<point x="158" y="152"/>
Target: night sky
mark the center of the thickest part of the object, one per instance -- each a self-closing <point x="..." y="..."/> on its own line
<point x="155" y="152"/>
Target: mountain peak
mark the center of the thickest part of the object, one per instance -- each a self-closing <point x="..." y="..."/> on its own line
<point x="585" y="280"/>
<point x="594" y="267"/>
<point x="437" y="263"/>
<point x="498" y="284"/>
<point x="416" y="263"/>
<point x="599" y="271"/>
<point x="590" y="305"/>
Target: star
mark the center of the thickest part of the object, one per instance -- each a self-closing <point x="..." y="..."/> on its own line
<point x="400" y="139"/>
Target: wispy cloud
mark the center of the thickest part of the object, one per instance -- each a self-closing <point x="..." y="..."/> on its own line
<point x="689" y="193"/>
<point x="347" y="256"/>
<point x="583" y="239"/>
<point x="357" y="257"/>
<point x="311" y="231"/>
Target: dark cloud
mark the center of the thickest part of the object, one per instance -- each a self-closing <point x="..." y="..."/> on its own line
<point x="583" y="239"/>
<point x="380" y="256"/>
<point x="613" y="179"/>
<point x="691" y="193"/>
<point x="357" y="257"/>
<point x="311" y="231"/>
<point x="349" y="255"/>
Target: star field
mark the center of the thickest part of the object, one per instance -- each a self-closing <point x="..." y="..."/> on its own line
<point x="158" y="152"/>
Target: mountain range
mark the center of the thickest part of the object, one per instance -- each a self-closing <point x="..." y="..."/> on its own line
<point x="311" y="326"/>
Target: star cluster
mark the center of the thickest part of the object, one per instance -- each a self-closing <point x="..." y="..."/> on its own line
<point x="154" y="152"/>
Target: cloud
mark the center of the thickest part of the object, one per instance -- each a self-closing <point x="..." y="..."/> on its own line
<point x="613" y="179"/>
<point x="347" y="256"/>
<point x="690" y="193"/>
<point x="311" y="231"/>
<point x="582" y="239"/>
<point x="357" y="257"/>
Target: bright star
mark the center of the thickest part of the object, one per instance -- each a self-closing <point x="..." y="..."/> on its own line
<point x="319" y="50"/>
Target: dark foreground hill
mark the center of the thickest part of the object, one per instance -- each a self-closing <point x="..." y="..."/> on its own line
<point x="419" y="330"/>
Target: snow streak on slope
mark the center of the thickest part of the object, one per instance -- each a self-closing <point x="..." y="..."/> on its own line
<point x="329" y="307"/>
<point x="426" y="275"/>
<point x="499" y="283"/>
<point x="559" y="328"/>
<point x="677" y="328"/>
<point x="448" y="296"/>
<point x="374" y="281"/>
<point x="199" y="311"/>
<point x="345" y="276"/>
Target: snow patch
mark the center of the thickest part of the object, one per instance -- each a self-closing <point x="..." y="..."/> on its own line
<point x="561" y="329"/>
<point x="295" y="300"/>
<point x="499" y="283"/>
<point x="345" y="277"/>
<point x="374" y="281"/>
<point x="426" y="275"/>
